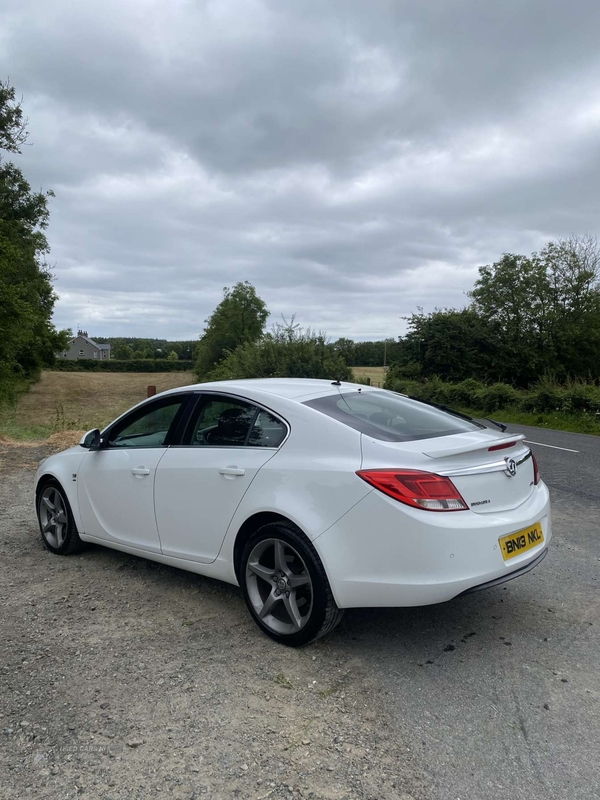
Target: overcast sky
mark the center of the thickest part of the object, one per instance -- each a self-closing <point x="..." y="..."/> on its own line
<point x="353" y="159"/>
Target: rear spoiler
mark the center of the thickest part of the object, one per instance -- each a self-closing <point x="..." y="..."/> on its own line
<point x="470" y="448"/>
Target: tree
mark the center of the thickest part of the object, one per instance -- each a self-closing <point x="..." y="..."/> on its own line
<point x="123" y="352"/>
<point x="172" y="356"/>
<point x="450" y="344"/>
<point x="346" y="349"/>
<point x="544" y="310"/>
<point x="287" y="351"/>
<point x="573" y="272"/>
<point x="28" y="340"/>
<point x="238" y="319"/>
<point x="13" y="127"/>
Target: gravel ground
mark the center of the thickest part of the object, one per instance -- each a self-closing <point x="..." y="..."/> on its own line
<point x="122" y="678"/>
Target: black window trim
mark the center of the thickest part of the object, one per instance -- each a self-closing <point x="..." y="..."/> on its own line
<point x="174" y="431"/>
<point x="184" y="426"/>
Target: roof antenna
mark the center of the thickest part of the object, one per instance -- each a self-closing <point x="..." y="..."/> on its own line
<point x="336" y="382"/>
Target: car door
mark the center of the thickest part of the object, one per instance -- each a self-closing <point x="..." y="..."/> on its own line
<point x="116" y="482"/>
<point x="200" y="483"/>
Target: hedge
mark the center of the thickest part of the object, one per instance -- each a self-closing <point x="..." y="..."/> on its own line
<point x="115" y="365"/>
<point x="545" y="396"/>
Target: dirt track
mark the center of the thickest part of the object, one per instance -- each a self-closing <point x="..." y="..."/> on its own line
<point x="121" y="678"/>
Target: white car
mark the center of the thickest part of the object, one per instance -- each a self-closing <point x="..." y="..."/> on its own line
<point x="312" y="496"/>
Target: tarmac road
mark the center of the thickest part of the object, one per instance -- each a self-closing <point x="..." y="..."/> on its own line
<point x="498" y="692"/>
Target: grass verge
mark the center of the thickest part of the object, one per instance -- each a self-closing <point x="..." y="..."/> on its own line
<point x="553" y="420"/>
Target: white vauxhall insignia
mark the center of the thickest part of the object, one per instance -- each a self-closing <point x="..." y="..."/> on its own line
<point x="312" y="496"/>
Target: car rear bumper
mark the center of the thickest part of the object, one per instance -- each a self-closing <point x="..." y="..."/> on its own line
<point x="382" y="553"/>
<point x="511" y="575"/>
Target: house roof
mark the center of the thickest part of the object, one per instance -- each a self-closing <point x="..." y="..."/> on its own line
<point x="91" y="341"/>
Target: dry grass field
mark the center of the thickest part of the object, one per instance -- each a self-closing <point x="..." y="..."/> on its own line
<point x="82" y="400"/>
<point x="78" y="401"/>
<point x="376" y="374"/>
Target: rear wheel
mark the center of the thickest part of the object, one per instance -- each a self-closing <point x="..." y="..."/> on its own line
<point x="285" y="586"/>
<point x="57" y="526"/>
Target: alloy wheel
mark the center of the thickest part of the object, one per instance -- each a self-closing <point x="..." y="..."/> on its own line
<point x="53" y="517"/>
<point x="279" y="586"/>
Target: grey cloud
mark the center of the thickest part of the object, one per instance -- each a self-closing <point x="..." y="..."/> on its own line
<point x="353" y="160"/>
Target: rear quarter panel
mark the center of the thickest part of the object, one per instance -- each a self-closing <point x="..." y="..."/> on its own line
<point x="311" y="480"/>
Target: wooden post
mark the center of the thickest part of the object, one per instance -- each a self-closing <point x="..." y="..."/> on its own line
<point x="151" y="391"/>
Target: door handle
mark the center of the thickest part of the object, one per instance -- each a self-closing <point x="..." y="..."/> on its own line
<point x="140" y="471"/>
<point x="233" y="471"/>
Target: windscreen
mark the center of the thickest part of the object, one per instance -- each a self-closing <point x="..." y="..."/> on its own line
<point x="391" y="417"/>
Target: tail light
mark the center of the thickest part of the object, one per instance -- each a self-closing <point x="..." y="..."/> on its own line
<point x="424" y="490"/>
<point x="536" y="470"/>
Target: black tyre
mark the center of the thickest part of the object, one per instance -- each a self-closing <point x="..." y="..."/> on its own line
<point x="57" y="526"/>
<point x="285" y="586"/>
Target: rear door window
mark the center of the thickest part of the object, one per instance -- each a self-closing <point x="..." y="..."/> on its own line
<point x="227" y="422"/>
<point x="268" y="431"/>
<point x="391" y="417"/>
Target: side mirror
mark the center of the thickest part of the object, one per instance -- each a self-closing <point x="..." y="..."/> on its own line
<point x="91" y="440"/>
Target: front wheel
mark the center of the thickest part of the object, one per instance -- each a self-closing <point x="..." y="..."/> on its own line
<point x="285" y="586"/>
<point x="57" y="526"/>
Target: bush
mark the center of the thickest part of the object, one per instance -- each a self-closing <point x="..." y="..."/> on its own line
<point x="131" y="365"/>
<point x="288" y="351"/>
<point x="581" y="398"/>
<point x="496" y="397"/>
<point x="466" y="393"/>
<point x="546" y="396"/>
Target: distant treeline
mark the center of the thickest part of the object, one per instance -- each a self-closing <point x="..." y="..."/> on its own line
<point x="368" y="354"/>
<point x="125" y="365"/>
<point x="127" y="348"/>
<point x="354" y="354"/>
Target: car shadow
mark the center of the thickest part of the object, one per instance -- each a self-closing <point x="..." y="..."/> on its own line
<point x="493" y="620"/>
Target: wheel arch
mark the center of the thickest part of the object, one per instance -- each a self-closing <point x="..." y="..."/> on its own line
<point x="43" y="480"/>
<point x="250" y="526"/>
<point x="68" y="487"/>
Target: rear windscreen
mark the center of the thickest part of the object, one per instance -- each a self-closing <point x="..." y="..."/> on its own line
<point x="391" y="417"/>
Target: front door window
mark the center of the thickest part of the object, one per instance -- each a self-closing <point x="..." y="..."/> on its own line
<point x="147" y="428"/>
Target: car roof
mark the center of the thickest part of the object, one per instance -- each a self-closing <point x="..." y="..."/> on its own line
<point x="290" y="388"/>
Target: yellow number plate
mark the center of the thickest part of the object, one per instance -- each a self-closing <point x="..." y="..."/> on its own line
<point x="520" y="542"/>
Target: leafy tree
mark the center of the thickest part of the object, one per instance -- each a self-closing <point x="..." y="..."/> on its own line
<point x="287" y="351"/>
<point x="512" y="297"/>
<point x="573" y="273"/>
<point x="346" y="349"/>
<point x="238" y="319"/>
<point x="172" y="356"/>
<point x="122" y="351"/>
<point x="13" y="126"/>
<point x="28" y="340"/>
<point x="544" y="310"/>
<point x="448" y="343"/>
